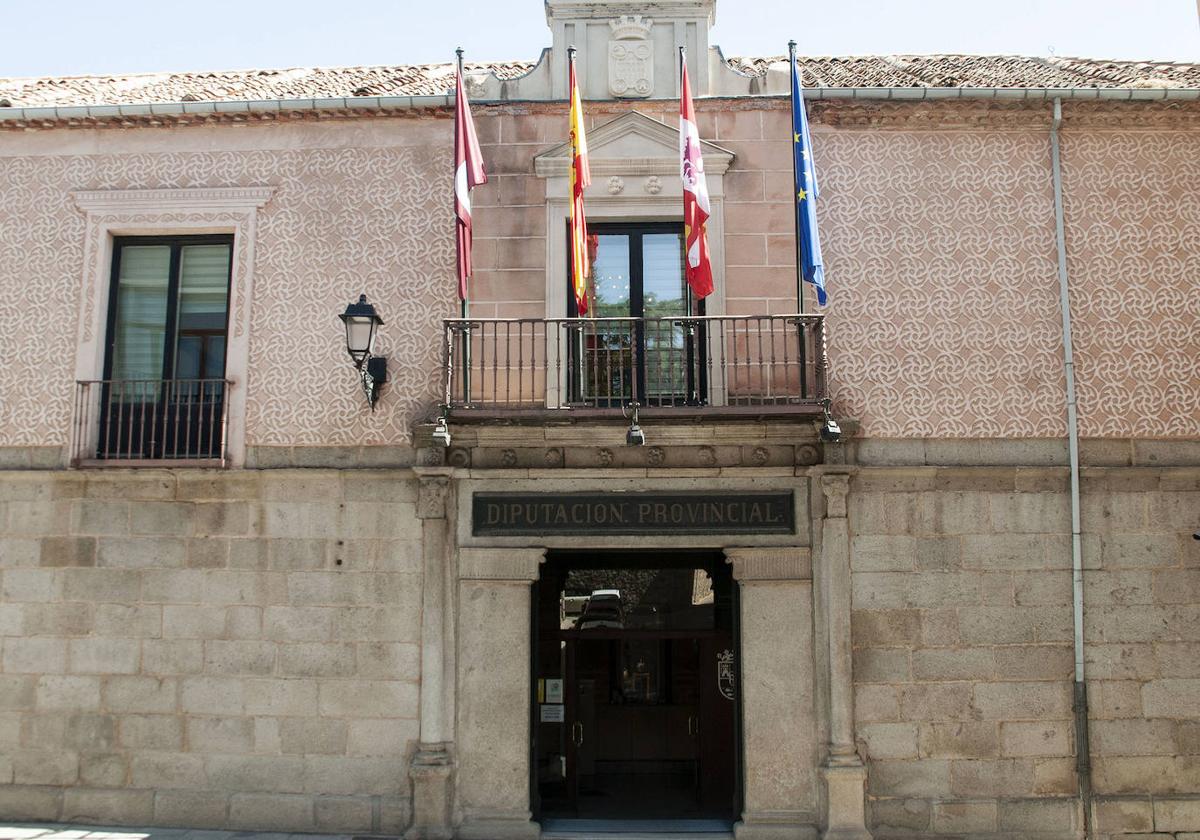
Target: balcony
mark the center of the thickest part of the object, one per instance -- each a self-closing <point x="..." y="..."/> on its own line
<point x="150" y="422"/>
<point x="704" y="366"/>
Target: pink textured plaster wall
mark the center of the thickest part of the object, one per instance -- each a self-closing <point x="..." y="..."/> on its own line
<point x="940" y="261"/>
<point x="1133" y="250"/>
<point x="344" y="220"/>
<point x="939" y="247"/>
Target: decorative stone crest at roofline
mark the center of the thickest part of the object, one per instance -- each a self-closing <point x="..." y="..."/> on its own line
<point x="630" y="57"/>
<point x="626" y="49"/>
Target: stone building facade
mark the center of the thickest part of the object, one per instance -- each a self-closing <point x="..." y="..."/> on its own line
<point x="317" y="634"/>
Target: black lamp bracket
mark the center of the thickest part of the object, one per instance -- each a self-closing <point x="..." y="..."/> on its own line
<point x="373" y="372"/>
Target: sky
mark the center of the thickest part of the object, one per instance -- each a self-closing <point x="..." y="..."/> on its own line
<point x="80" y="37"/>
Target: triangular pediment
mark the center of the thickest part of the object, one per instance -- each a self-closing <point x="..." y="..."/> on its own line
<point x="632" y="143"/>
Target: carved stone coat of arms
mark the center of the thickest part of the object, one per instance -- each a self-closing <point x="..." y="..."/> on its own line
<point x="630" y="57"/>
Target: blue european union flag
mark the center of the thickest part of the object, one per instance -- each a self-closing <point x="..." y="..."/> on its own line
<point x="812" y="267"/>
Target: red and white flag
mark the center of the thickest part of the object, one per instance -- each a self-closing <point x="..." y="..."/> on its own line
<point x="698" y="267"/>
<point x="468" y="173"/>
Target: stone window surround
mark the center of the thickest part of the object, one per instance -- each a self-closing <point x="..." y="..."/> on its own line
<point x="640" y="183"/>
<point x="175" y="212"/>
<point x="643" y="187"/>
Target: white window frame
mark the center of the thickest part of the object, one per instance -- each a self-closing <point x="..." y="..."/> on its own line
<point x="170" y="212"/>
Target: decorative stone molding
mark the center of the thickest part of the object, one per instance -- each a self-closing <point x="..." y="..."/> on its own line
<point x="835" y="486"/>
<point x="432" y="492"/>
<point x="514" y="564"/>
<point x="198" y="210"/>
<point x="941" y="115"/>
<point x="752" y="564"/>
<point x="660" y="154"/>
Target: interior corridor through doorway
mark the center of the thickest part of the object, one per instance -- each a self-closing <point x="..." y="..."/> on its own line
<point x="636" y="687"/>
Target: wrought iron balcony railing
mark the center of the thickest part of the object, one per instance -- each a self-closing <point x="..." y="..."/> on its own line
<point x="139" y="422"/>
<point x="756" y="364"/>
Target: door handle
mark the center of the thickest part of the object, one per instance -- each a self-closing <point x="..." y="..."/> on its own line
<point x="693" y="725"/>
<point x="577" y="733"/>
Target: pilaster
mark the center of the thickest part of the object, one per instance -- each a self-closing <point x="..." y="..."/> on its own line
<point x="494" y="706"/>
<point x="843" y="774"/>
<point x="432" y="767"/>
<point x="779" y="733"/>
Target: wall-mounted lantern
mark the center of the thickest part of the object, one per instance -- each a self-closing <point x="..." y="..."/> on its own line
<point x="362" y="322"/>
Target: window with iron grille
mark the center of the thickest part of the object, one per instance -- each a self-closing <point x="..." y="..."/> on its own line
<point x="164" y="391"/>
<point x="642" y="353"/>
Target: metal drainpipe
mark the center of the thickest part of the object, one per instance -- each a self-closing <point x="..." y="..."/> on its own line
<point x="1083" y="763"/>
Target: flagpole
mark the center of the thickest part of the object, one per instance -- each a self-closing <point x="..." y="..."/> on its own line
<point x="463" y="305"/>
<point x="795" y="176"/>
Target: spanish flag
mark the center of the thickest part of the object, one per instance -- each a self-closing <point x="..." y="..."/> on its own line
<point x="580" y="178"/>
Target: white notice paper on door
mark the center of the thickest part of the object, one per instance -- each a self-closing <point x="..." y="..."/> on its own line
<point x="552" y="713"/>
<point x="554" y="690"/>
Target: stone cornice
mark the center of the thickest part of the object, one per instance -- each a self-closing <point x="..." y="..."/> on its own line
<point x="968" y="114"/>
<point x="165" y="201"/>
<point x="829" y="110"/>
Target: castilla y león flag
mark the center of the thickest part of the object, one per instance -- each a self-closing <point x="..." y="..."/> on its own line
<point x="580" y="178"/>
<point x="698" y="268"/>
<point x="468" y="173"/>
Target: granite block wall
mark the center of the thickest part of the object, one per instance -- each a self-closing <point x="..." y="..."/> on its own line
<point x="209" y="649"/>
<point x="963" y="658"/>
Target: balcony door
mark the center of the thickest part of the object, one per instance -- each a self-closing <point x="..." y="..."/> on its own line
<point x="164" y="372"/>
<point x="636" y="348"/>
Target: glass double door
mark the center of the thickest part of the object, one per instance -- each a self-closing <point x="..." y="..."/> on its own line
<point x="636" y="695"/>
<point x="636" y="349"/>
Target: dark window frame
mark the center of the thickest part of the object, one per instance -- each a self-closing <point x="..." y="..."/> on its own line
<point x="170" y="328"/>
<point x="696" y="384"/>
<point x="636" y="231"/>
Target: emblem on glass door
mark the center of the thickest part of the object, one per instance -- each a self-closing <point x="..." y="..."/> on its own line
<point x="725" y="680"/>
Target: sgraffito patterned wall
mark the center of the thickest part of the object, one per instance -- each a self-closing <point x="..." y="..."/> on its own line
<point x="939" y="246"/>
<point x="41" y="262"/>
<point x="343" y="221"/>
<point x="1133" y="249"/>
<point x="940" y="263"/>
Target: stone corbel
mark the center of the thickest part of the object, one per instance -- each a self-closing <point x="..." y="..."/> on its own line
<point x="433" y="491"/>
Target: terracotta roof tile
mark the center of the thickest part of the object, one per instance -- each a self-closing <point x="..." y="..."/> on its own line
<point x="425" y="79"/>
